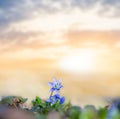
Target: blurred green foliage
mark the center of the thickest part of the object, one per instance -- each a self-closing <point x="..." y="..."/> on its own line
<point x="44" y="110"/>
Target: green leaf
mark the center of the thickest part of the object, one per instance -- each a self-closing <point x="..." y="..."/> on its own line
<point x="39" y="100"/>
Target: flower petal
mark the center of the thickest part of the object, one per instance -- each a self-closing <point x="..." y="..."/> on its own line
<point x="62" y="100"/>
<point x="50" y="84"/>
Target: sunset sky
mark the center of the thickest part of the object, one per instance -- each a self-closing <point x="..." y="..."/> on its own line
<point x="71" y="36"/>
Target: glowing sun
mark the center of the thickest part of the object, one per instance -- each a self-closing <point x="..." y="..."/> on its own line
<point x="83" y="61"/>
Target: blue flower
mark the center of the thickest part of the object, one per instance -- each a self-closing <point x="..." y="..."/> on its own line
<point x="56" y="98"/>
<point x="55" y="85"/>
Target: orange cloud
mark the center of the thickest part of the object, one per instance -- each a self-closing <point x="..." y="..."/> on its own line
<point x="78" y="38"/>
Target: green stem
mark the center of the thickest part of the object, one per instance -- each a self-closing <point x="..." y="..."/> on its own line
<point x="51" y="93"/>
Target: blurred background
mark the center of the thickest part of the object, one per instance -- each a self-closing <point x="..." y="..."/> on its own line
<point x="77" y="41"/>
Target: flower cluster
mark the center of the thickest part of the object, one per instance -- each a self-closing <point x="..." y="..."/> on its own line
<point x="55" y="87"/>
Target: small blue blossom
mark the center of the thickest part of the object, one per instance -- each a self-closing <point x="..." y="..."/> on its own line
<point x="55" y="85"/>
<point x="54" y="99"/>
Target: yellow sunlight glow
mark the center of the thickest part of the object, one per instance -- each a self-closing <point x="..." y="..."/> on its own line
<point x="82" y="61"/>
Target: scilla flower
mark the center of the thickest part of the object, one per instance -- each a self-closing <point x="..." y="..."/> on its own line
<point x="55" y="85"/>
<point x="56" y="98"/>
